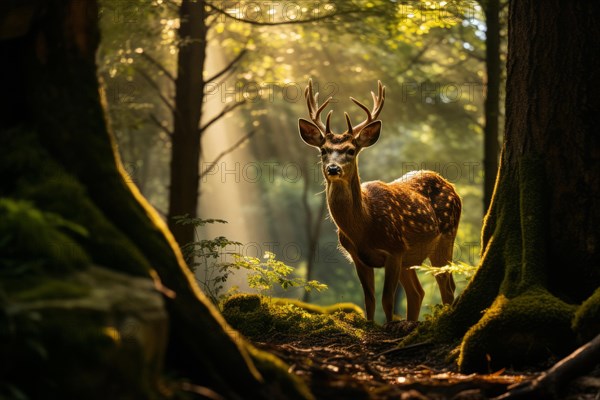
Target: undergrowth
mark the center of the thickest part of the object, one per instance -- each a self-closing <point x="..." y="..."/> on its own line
<point x="257" y="317"/>
<point x="214" y="262"/>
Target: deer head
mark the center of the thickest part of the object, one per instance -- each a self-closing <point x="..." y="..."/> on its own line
<point x="339" y="151"/>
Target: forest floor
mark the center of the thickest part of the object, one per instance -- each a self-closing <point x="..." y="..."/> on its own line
<point x="373" y="367"/>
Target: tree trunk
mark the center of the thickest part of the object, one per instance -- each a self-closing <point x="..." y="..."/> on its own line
<point x="541" y="244"/>
<point x="70" y="208"/>
<point x="189" y="92"/>
<point x="492" y="99"/>
<point x="313" y="231"/>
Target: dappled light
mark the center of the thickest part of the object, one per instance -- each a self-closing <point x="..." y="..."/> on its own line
<point x="364" y="199"/>
<point x="432" y="63"/>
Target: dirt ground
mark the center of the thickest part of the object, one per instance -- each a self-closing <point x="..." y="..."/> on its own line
<point x="374" y="368"/>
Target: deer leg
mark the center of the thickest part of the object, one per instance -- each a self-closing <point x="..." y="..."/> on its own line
<point x="446" y="283"/>
<point x="441" y="256"/>
<point x="366" y="275"/>
<point x="414" y="293"/>
<point x="367" y="280"/>
<point x="393" y="265"/>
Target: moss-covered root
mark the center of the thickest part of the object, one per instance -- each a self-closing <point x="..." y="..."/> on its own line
<point x="315" y="309"/>
<point x="524" y="329"/>
<point x="587" y="318"/>
<point x="248" y="302"/>
<point x="257" y="316"/>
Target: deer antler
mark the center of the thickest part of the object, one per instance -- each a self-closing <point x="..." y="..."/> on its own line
<point x="371" y="115"/>
<point x="314" y="110"/>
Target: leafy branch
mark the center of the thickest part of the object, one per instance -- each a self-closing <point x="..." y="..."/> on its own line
<point x="208" y="255"/>
<point x="265" y="275"/>
<point x="457" y="268"/>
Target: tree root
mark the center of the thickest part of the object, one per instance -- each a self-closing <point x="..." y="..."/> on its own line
<point x="550" y="383"/>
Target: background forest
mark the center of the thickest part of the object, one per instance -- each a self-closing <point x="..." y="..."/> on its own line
<point x="254" y="170"/>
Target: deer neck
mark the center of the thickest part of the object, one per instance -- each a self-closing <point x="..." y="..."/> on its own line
<point x="345" y="201"/>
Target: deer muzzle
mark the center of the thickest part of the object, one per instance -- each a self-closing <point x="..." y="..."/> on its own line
<point x="333" y="170"/>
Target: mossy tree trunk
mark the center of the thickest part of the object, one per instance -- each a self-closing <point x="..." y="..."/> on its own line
<point x="56" y="154"/>
<point x="532" y="295"/>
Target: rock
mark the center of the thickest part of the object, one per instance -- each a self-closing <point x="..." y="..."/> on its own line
<point x="108" y="341"/>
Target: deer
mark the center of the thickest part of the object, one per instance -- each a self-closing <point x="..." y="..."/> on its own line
<point x="395" y="225"/>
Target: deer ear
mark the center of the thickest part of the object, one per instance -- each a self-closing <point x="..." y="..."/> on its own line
<point x="369" y="134"/>
<point x="310" y="133"/>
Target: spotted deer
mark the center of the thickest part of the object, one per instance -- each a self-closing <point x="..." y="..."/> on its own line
<point x="393" y="225"/>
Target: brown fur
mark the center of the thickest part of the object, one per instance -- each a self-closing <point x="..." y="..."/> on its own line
<point x="393" y="225"/>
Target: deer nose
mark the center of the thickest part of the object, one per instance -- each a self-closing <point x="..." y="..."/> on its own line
<point x="333" y="170"/>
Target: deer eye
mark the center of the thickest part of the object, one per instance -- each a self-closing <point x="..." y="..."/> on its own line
<point x="351" y="152"/>
<point x="323" y="152"/>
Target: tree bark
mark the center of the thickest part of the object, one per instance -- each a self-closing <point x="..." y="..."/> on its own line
<point x="533" y="294"/>
<point x="57" y="155"/>
<point x="186" y="144"/>
<point x="492" y="100"/>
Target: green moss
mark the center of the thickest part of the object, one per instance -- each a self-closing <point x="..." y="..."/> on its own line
<point x="106" y="245"/>
<point x="525" y="329"/>
<point x="316" y="309"/>
<point x="32" y="241"/>
<point x="52" y="190"/>
<point x="243" y="303"/>
<point x="256" y="316"/>
<point x="586" y="322"/>
<point x="428" y="330"/>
